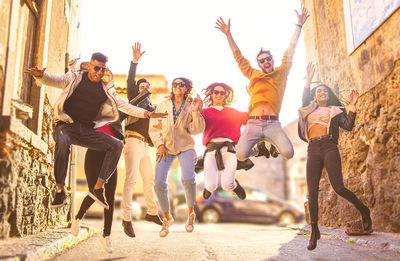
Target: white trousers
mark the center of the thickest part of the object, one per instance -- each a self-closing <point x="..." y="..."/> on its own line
<point x="211" y="172"/>
<point x="137" y="160"/>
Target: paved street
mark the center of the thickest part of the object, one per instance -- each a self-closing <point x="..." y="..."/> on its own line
<point x="229" y="241"/>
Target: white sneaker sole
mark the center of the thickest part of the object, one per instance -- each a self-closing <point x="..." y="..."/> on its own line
<point x="98" y="201"/>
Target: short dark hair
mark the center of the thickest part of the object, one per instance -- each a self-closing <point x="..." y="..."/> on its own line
<point x="263" y="51"/>
<point x="141" y="80"/>
<point x="99" y="57"/>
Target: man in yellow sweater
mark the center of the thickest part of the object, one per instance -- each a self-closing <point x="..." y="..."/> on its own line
<point x="266" y="89"/>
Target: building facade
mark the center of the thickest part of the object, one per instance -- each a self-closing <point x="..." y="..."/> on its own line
<point x="43" y="33"/>
<point x="355" y="45"/>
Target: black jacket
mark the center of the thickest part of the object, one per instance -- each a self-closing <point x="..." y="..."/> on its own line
<point x="339" y="118"/>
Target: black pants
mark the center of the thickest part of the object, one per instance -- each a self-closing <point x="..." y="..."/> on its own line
<point x="83" y="135"/>
<point x="320" y="154"/>
<point x="93" y="163"/>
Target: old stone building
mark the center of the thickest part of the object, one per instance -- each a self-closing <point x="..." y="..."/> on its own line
<point x="355" y="45"/>
<point x="42" y="33"/>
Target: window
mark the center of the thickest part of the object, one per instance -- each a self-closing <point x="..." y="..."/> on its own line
<point x="29" y="21"/>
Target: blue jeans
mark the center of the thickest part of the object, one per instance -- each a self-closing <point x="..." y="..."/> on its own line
<point x="66" y="134"/>
<point x="186" y="160"/>
<point x="268" y="130"/>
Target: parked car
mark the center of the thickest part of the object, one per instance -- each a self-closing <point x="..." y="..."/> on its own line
<point x="258" y="207"/>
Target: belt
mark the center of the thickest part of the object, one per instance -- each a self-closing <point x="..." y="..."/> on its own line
<point x="324" y="137"/>
<point x="265" y="117"/>
<point x="136" y="137"/>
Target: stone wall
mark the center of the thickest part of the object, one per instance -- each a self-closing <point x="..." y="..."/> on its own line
<point x="370" y="152"/>
<point x="370" y="160"/>
<point x="27" y="184"/>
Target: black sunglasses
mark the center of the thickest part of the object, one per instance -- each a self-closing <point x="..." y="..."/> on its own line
<point x="98" y="68"/>
<point x="178" y="84"/>
<point x="219" y="92"/>
<point x="266" y="59"/>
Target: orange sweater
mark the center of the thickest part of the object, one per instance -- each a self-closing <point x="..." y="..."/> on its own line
<point x="266" y="87"/>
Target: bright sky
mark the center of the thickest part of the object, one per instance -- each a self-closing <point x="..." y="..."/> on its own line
<point x="180" y="40"/>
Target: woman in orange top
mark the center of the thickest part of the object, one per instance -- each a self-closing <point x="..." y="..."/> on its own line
<point x="266" y="89"/>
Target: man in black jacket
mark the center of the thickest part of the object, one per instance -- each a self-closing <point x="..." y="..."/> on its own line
<point x="137" y="157"/>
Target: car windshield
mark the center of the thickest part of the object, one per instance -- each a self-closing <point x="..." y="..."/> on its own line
<point x="226" y="194"/>
<point x="256" y="195"/>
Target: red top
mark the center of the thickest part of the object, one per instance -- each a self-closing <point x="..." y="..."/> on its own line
<point x="223" y="124"/>
<point x="107" y="129"/>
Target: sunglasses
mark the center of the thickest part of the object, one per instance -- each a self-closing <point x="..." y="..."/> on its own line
<point x="266" y="59"/>
<point x="178" y="84"/>
<point x="98" y="68"/>
<point x="219" y="92"/>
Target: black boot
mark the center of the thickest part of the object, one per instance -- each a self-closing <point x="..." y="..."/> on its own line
<point x="206" y="194"/>
<point x="262" y="150"/>
<point x="366" y="219"/>
<point x="239" y="191"/>
<point x="128" y="228"/>
<point x="315" y="235"/>
<point x="273" y="151"/>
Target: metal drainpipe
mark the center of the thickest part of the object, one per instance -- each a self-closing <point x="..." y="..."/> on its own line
<point x="73" y="180"/>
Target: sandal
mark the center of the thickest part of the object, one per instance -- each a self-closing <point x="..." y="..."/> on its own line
<point x="357" y="229"/>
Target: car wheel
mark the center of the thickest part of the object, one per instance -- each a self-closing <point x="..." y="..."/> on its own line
<point x="210" y="215"/>
<point x="287" y="218"/>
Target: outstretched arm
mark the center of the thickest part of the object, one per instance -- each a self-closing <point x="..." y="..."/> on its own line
<point x="131" y="85"/>
<point x="244" y="64"/>
<point x="307" y="92"/>
<point x="301" y="19"/>
<point x="226" y="29"/>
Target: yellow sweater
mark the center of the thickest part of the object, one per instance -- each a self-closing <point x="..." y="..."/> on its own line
<point x="266" y="87"/>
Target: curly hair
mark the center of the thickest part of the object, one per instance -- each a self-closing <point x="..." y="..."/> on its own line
<point x="188" y="84"/>
<point x="333" y="99"/>
<point x="210" y="89"/>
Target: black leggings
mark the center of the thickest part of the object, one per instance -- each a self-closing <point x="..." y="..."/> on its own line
<point x="324" y="153"/>
<point x="93" y="163"/>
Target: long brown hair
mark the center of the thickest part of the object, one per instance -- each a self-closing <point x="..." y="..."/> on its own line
<point x="188" y="84"/>
<point x="210" y="89"/>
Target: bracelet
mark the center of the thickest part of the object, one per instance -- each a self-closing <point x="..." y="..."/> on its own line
<point x="146" y="114"/>
<point x="299" y="25"/>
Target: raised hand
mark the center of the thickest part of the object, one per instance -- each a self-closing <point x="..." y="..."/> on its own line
<point x="72" y="64"/>
<point x="197" y="104"/>
<point x="302" y="18"/>
<point x="161" y="153"/>
<point x="310" y="72"/>
<point x="35" y="71"/>
<point x="354" y="97"/>
<point x="155" y="114"/>
<point x="136" y="52"/>
<point x="221" y="25"/>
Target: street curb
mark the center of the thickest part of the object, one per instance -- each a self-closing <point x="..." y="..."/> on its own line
<point x="62" y="244"/>
<point x="381" y="240"/>
<point x="54" y="247"/>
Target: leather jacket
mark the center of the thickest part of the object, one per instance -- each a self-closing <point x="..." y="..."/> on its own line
<point x="338" y="118"/>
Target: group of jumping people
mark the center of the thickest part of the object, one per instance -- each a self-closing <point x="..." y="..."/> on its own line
<point x="90" y="113"/>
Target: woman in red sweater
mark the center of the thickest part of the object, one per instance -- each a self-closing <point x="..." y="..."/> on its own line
<point x="220" y="136"/>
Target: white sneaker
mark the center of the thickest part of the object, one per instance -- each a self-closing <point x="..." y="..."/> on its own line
<point x="165" y="226"/>
<point x="75" y="226"/>
<point x="106" y="243"/>
<point x="190" y="222"/>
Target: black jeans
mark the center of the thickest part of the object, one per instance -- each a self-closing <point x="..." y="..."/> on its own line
<point x="320" y="154"/>
<point x="83" y="135"/>
<point x="93" y="162"/>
